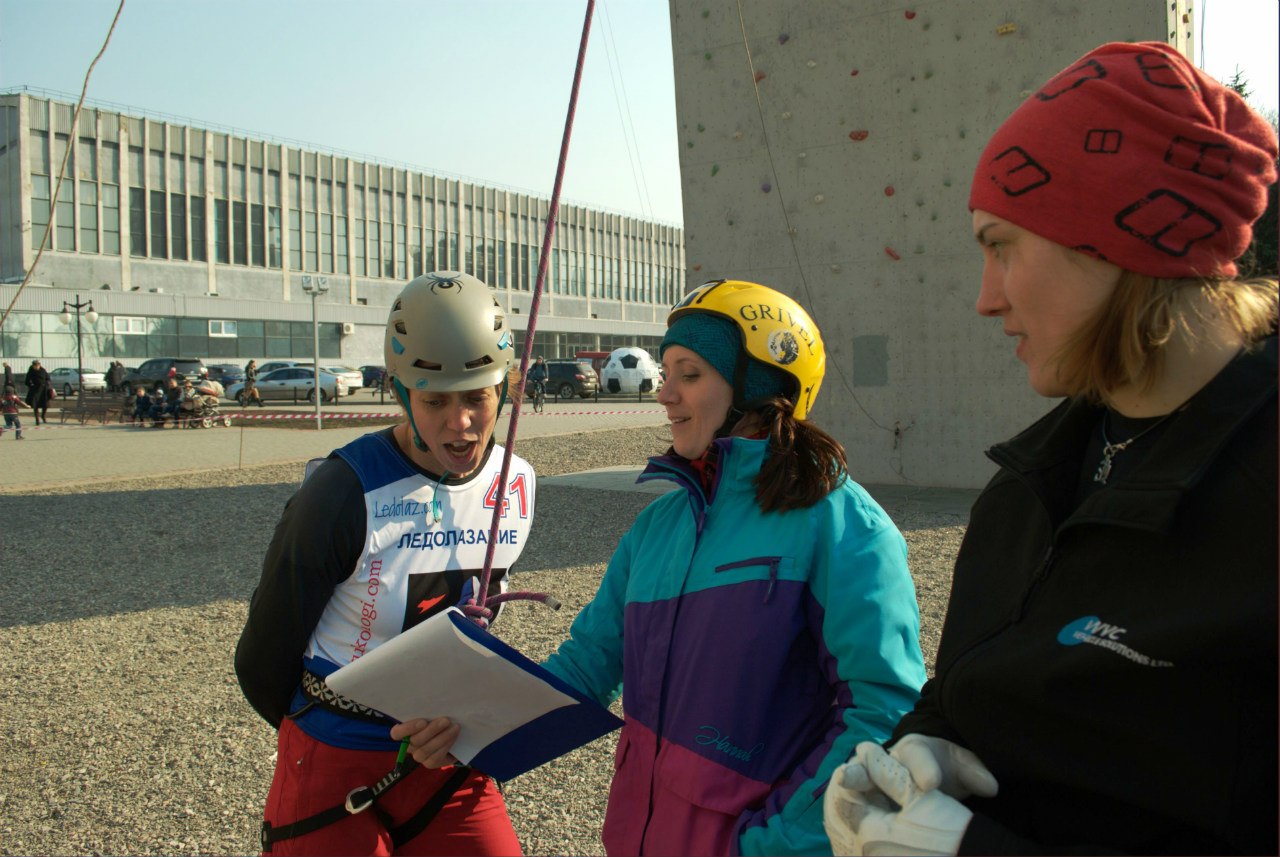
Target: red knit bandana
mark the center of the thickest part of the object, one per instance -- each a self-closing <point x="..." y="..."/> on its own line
<point x="1134" y="156"/>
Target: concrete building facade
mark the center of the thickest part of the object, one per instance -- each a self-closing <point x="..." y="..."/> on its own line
<point x="827" y="149"/>
<point x="195" y="241"/>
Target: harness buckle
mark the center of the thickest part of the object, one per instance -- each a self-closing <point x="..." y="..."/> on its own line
<point x="366" y="797"/>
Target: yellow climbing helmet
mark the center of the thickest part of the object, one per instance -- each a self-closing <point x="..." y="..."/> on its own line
<point x="776" y="331"/>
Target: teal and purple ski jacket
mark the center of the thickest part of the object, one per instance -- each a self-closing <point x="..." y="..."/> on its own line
<point x="756" y="651"/>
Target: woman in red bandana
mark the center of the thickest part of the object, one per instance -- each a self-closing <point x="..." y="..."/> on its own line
<point x="1106" y="679"/>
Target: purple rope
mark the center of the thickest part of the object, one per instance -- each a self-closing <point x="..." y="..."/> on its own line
<point x="480" y="610"/>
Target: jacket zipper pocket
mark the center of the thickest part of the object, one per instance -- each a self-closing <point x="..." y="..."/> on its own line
<point x="772" y="561"/>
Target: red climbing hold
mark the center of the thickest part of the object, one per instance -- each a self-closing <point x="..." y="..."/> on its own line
<point x="858" y="136"/>
<point x="909" y="14"/>
<point x="888" y="190"/>
<point x="889" y="251"/>
<point x="697" y="267"/>
<point x="853" y="73"/>
<point x="760" y="76"/>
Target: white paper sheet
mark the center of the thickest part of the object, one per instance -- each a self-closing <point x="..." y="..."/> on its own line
<point x="434" y="670"/>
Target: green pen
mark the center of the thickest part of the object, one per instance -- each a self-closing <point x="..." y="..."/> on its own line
<point x="404" y="749"/>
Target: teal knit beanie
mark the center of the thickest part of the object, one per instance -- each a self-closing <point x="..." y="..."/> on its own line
<point x="717" y="340"/>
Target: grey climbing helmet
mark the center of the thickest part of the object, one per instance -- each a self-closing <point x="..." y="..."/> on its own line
<point x="447" y="333"/>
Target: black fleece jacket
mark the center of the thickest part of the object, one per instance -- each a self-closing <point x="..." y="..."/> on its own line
<point x="1114" y="662"/>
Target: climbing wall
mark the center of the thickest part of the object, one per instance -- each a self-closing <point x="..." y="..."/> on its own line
<point x="827" y="148"/>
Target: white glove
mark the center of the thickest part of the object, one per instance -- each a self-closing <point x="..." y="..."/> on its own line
<point x="861" y="815"/>
<point x="936" y="763"/>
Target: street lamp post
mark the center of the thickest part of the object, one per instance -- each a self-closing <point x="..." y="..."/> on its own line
<point x="65" y="318"/>
<point x="315" y="286"/>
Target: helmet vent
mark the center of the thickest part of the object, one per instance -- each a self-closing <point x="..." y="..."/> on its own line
<point x="476" y="364"/>
<point x="395" y="307"/>
<point x="430" y="367"/>
<point x="400" y="329"/>
<point x="497" y="322"/>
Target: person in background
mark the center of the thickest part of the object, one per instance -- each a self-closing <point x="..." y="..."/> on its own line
<point x="9" y="405"/>
<point x="538" y="373"/>
<point x="1106" y="679"/>
<point x="760" y="619"/>
<point x="141" y="404"/>
<point x="38" y="391"/>
<point x="251" y="393"/>
<point x="343" y="575"/>
<point x="8" y="375"/>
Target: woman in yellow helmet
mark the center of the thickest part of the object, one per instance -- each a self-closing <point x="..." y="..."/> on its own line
<point x="761" y="618"/>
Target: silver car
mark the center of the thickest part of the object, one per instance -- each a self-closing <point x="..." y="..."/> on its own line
<point x="291" y="384"/>
<point x="67" y="380"/>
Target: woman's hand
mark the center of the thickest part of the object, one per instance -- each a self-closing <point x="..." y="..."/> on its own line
<point x="429" y="740"/>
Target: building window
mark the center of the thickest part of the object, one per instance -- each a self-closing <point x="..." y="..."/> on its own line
<point x="124" y="325"/>
<point x="257" y="235"/>
<point x="295" y="240"/>
<point x="88" y="217"/>
<point x="326" y="243"/>
<point x="39" y="209"/>
<point x="137" y="221"/>
<point x="218" y="327"/>
<point x="65" y="209"/>
<point x="222" y="231"/>
<point x="198" y="247"/>
<point x="111" y="219"/>
<point x="311" y="262"/>
<point x="340" y="244"/>
<point x="178" y="224"/>
<point x="274" y="247"/>
<point x="240" y="227"/>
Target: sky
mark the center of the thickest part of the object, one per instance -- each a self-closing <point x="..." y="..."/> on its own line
<point x="474" y="89"/>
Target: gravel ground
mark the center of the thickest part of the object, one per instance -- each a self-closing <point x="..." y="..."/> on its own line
<point x="124" y="729"/>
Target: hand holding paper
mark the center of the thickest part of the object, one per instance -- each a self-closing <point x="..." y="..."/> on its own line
<point x="429" y="740"/>
<point x="511" y="714"/>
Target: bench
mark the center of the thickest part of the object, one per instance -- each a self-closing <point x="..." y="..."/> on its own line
<point x="83" y="413"/>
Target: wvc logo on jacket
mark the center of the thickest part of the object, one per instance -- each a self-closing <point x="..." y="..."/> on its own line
<point x="1092" y="631"/>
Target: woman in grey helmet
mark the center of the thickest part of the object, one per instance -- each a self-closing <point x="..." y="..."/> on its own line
<point x="352" y="564"/>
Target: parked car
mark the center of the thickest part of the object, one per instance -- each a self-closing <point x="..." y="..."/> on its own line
<point x="156" y="371"/>
<point x="273" y="365"/>
<point x="67" y="380"/>
<point x="225" y="374"/>
<point x="372" y="376"/>
<point x="292" y="382"/>
<point x="353" y="378"/>
<point x="568" y="378"/>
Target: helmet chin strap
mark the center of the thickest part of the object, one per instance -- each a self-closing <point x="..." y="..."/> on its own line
<point x="403" y="395"/>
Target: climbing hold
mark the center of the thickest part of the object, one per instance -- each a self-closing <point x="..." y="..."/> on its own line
<point x="835" y="269"/>
<point x="690" y="144"/>
<point x="783" y="38"/>
<point x="853" y="73"/>
<point x="962" y="133"/>
<point x="701" y="127"/>
<point x="766" y="187"/>
<point x="910" y="15"/>
<point x="946" y="182"/>
<point x="915" y="156"/>
<point x="697" y="267"/>
<point x="818" y="198"/>
<point x="706" y="13"/>
<point x="889" y="251"/>
<point x="737" y="135"/>
<point x="919" y="249"/>
<point x="715" y="168"/>
<point x="760" y="76"/>
<point x="707" y="55"/>
<point x="1006" y="29"/>
<point x="730" y="222"/>
<point x="812" y="64"/>
<point x="888" y="190"/>
<point x="803" y="155"/>
<point x="786" y="114"/>
<point x="858" y="136"/>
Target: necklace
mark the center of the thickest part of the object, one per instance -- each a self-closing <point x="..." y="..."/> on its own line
<point x="1110" y="449"/>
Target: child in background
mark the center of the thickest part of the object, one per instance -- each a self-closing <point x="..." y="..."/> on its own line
<point x="9" y="405"/>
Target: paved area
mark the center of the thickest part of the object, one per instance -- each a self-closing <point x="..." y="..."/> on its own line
<point x="62" y="453"/>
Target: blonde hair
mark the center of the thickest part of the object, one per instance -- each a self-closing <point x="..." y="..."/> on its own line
<point x="1124" y="342"/>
